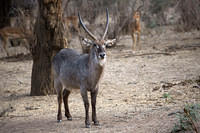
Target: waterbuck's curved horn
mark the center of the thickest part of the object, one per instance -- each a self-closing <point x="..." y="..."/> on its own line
<point x="107" y="23"/>
<point x="85" y="28"/>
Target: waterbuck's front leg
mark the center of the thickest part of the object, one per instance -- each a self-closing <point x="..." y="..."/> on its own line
<point x="65" y="99"/>
<point x="86" y="104"/>
<point x="93" y="101"/>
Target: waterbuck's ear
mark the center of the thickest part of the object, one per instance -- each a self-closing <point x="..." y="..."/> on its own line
<point x="86" y="41"/>
<point x="110" y="43"/>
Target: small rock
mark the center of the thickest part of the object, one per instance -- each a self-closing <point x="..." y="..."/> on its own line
<point x="176" y="93"/>
<point x="133" y="82"/>
<point x="156" y="88"/>
<point x="31" y="108"/>
<point x="5" y="108"/>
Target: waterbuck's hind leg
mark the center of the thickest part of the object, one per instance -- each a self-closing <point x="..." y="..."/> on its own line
<point x="93" y="102"/>
<point x="86" y="104"/>
<point x="58" y="87"/>
<point x="65" y="100"/>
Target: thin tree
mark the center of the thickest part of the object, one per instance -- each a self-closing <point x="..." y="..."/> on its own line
<point x="49" y="38"/>
<point x="5" y="6"/>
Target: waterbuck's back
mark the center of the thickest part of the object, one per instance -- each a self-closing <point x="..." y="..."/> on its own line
<point x="65" y="55"/>
<point x="70" y="67"/>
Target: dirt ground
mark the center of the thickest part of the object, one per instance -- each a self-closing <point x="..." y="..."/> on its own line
<point x="131" y="96"/>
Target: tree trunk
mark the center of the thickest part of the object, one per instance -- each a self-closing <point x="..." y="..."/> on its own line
<point x="4" y="10"/>
<point x="49" y="33"/>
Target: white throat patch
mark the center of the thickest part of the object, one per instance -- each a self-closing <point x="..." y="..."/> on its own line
<point x="102" y="62"/>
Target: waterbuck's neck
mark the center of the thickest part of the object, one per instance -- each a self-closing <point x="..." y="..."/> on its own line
<point x="95" y="69"/>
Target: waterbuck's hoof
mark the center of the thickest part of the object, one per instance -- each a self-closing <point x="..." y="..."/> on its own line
<point x="69" y="118"/>
<point x="59" y="121"/>
<point x="87" y="126"/>
<point x="96" y="123"/>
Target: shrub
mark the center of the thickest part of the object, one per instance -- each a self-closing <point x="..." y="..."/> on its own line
<point x="188" y="119"/>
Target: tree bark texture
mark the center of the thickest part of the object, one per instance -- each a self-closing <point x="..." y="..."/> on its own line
<point x="49" y="39"/>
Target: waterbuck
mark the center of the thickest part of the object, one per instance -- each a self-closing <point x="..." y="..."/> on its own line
<point x="84" y="71"/>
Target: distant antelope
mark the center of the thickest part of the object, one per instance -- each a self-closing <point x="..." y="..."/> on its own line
<point x="8" y="33"/>
<point x="80" y="71"/>
<point x="23" y="32"/>
<point x="135" y="29"/>
<point x="73" y="20"/>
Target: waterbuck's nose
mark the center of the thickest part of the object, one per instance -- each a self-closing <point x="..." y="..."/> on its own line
<point x="102" y="55"/>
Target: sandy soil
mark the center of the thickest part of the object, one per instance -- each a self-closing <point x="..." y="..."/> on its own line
<point x="131" y="93"/>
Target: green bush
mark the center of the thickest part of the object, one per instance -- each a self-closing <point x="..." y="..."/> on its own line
<point x="188" y="119"/>
<point x="152" y="24"/>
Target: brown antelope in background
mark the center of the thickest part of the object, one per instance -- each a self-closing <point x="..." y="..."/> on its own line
<point x="80" y="71"/>
<point x="21" y="30"/>
<point x="135" y="28"/>
<point x="9" y="33"/>
<point x="71" y="22"/>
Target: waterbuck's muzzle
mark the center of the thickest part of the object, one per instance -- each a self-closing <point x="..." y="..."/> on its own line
<point x="102" y="55"/>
